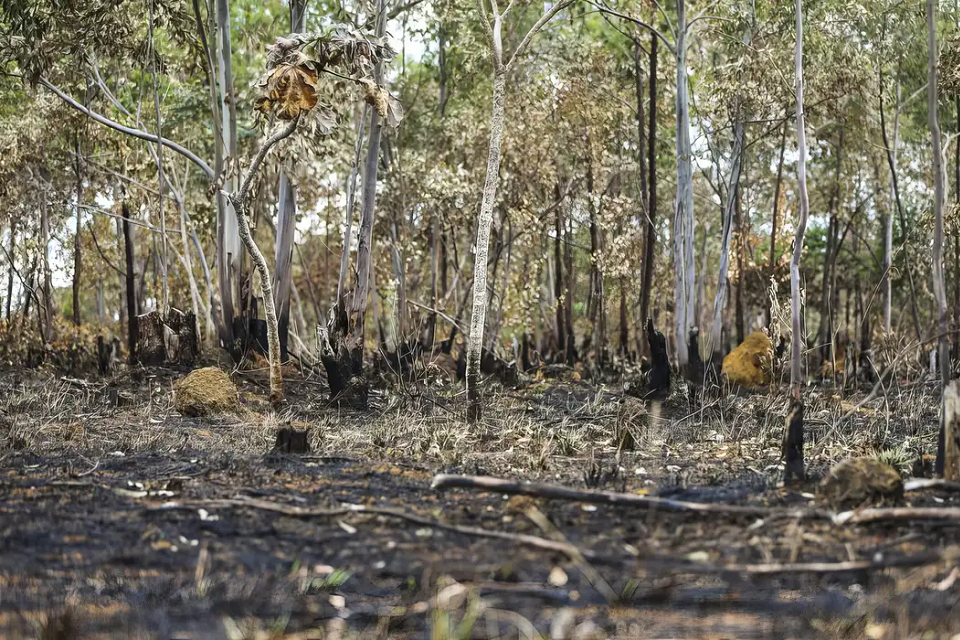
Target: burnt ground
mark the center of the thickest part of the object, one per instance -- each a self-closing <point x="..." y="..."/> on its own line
<point x="132" y="521"/>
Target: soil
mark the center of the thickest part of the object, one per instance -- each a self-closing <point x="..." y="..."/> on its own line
<point x="120" y="518"/>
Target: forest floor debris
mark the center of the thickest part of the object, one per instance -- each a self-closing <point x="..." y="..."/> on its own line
<point x="137" y="520"/>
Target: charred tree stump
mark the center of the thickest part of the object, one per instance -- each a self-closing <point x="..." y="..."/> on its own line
<point x="290" y="440"/>
<point x="108" y="352"/>
<point x="793" y="444"/>
<point x="694" y="372"/>
<point x="183" y="344"/>
<point x="150" y="349"/>
<point x="341" y="355"/>
<point x="948" y="443"/>
<point x="658" y="378"/>
<point x="525" y="363"/>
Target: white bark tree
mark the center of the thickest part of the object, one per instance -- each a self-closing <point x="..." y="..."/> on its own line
<point x="493" y="27"/>
<point x="796" y="313"/>
<point x="286" y="216"/>
<point x="939" y="288"/>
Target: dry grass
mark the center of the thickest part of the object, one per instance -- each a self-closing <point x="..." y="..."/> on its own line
<point x="547" y="430"/>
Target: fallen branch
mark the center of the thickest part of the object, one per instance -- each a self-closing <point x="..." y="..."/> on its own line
<point x="834" y="567"/>
<point x="919" y="484"/>
<point x="897" y="513"/>
<point x="557" y="492"/>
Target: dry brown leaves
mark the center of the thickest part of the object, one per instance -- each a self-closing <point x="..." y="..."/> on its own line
<point x="289" y="91"/>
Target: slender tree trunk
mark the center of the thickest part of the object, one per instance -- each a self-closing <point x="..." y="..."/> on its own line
<point x="738" y="222"/>
<point x="891" y="152"/>
<point x="650" y="235"/>
<point x="825" y="335"/>
<point x="570" y="291"/>
<point x="683" y="224"/>
<point x="47" y="320"/>
<point x="442" y="64"/>
<point x="348" y="215"/>
<point x="796" y="311"/>
<point x="131" y="293"/>
<point x="239" y="200"/>
<point x="286" y="219"/>
<point x="475" y="340"/>
<point x="161" y="182"/>
<point x="641" y="127"/>
<point x="430" y="331"/>
<point x="558" y="279"/>
<point x="504" y="282"/>
<point x="77" y="257"/>
<point x="776" y="211"/>
<point x="230" y="255"/>
<point x="939" y="288"/>
<point x="793" y="441"/>
<point x="956" y="237"/>
<point x="13" y="245"/>
<point x="358" y="302"/>
<point x="716" y="343"/>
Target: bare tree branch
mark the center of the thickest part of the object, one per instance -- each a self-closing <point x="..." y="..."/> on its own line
<point x="136" y="133"/>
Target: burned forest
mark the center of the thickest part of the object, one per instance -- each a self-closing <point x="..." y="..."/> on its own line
<point x="565" y="320"/>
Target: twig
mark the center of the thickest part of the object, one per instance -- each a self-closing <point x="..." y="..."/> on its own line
<point x="557" y="492"/>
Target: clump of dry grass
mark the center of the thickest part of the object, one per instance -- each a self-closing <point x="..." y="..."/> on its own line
<point x="207" y="391"/>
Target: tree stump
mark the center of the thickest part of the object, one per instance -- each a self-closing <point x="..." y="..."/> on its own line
<point x="793" y="444"/>
<point x="290" y="440"/>
<point x="950" y="434"/>
<point x="151" y="348"/>
<point x="185" y="349"/>
<point x="658" y="377"/>
<point x="108" y="353"/>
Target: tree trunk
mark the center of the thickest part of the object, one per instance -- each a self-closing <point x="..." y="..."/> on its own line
<point x="77" y="257"/>
<point x="716" y="350"/>
<point x="348" y="215"/>
<point x="956" y="237"/>
<point x="825" y="334"/>
<point x="558" y="279"/>
<point x="239" y="200"/>
<point x="341" y="342"/>
<point x="939" y="287"/>
<point x="131" y="293"/>
<point x="570" y="291"/>
<point x="161" y="183"/>
<point x="793" y="442"/>
<point x="685" y="285"/>
<point x="776" y="210"/>
<point x="738" y="221"/>
<point x="47" y="320"/>
<point x="13" y="244"/>
<point x="367" y="209"/>
<point x="475" y="340"/>
<point x="286" y="220"/>
<point x="891" y="152"/>
<point x="650" y="235"/>
<point x="230" y="254"/>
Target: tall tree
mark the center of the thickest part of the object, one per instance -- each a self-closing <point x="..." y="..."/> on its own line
<point x="493" y="28"/>
<point x="286" y="218"/>
<point x="793" y="441"/>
